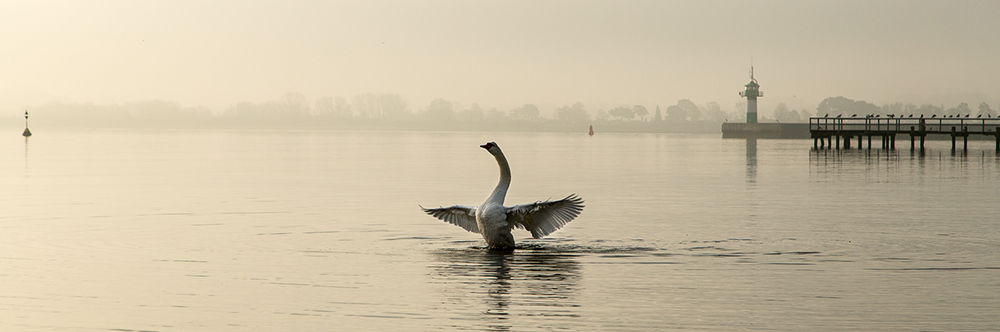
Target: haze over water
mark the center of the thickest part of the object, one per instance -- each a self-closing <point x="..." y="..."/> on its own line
<point x="321" y="230"/>
<point x="501" y="54"/>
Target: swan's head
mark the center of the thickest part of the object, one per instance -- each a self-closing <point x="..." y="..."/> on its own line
<point x="491" y="147"/>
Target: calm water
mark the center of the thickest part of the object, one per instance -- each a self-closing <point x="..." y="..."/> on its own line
<point x="321" y="231"/>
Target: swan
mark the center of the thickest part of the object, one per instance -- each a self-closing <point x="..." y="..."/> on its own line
<point x="494" y="221"/>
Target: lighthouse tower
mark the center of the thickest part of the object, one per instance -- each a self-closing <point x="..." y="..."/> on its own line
<point x="751" y="93"/>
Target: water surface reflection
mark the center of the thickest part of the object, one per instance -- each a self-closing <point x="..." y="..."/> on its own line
<point x="751" y="160"/>
<point x="533" y="288"/>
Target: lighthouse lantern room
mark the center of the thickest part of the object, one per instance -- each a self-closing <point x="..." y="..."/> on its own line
<point x="751" y="93"/>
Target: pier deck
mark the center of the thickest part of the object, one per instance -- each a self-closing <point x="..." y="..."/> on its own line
<point x="827" y="131"/>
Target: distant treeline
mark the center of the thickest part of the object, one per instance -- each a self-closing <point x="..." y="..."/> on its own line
<point x="834" y="106"/>
<point x="377" y="111"/>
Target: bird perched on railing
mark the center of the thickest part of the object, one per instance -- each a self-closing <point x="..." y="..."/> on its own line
<point x="827" y="115"/>
<point x="979" y="116"/>
<point x="838" y="115"/>
<point x="911" y="115"/>
<point x="933" y="116"/>
<point x="967" y="115"/>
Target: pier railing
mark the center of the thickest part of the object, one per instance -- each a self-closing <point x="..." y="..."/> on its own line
<point x="905" y="125"/>
<point x="826" y="128"/>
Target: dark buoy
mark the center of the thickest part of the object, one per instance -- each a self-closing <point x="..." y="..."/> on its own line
<point x="591" y="130"/>
<point x="26" y="131"/>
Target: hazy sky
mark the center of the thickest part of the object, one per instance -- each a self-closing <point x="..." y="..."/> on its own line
<point x="498" y="53"/>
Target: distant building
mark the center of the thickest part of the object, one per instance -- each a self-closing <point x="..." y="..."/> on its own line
<point x="751" y="93"/>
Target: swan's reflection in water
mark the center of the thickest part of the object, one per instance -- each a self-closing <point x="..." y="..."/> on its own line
<point x="532" y="288"/>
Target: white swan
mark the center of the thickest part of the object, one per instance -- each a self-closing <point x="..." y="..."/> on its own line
<point x="494" y="221"/>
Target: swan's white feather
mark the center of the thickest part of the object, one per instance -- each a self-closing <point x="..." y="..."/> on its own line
<point x="544" y="217"/>
<point x="458" y="215"/>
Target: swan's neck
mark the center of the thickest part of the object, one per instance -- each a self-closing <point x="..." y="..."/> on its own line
<point x="501" y="190"/>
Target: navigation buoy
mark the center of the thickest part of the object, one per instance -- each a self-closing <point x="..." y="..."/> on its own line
<point x="26" y="132"/>
<point x="591" y="130"/>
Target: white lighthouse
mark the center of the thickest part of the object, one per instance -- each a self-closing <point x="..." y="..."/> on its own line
<point x="751" y="93"/>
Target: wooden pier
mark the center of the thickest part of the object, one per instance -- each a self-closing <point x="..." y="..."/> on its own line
<point x="827" y="131"/>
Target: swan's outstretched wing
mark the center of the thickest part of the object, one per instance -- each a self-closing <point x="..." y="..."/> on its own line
<point x="458" y="215"/>
<point x="543" y="218"/>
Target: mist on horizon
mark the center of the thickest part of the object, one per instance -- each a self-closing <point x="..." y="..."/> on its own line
<point x="215" y="57"/>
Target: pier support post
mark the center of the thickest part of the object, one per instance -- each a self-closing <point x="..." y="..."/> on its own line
<point x="922" y="143"/>
<point x="965" y="139"/>
<point x="869" y="142"/>
<point x="838" y="142"/>
<point x="861" y="142"/>
<point x="952" y="139"/>
<point x="892" y="142"/>
<point x="847" y="142"/>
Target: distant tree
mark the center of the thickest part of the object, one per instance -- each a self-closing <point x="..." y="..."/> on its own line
<point x="294" y="105"/>
<point x="495" y="115"/>
<point x="622" y="113"/>
<point x="602" y="115"/>
<point x="658" y="116"/>
<point x="161" y="113"/>
<point x="927" y="110"/>
<point x="575" y="113"/>
<point x="840" y="105"/>
<point x="330" y="107"/>
<point x="783" y="114"/>
<point x="676" y="114"/>
<point x="713" y="112"/>
<point x="440" y="110"/>
<point x="528" y="112"/>
<point x="342" y="109"/>
<point x="780" y="111"/>
<point x="691" y="111"/>
<point x="897" y="109"/>
<point x="474" y="113"/>
<point x="985" y="109"/>
<point x="961" y="109"/>
<point x="366" y="106"/>
<point x="739" y="113"/>
<point x="380" y="106"/>
<point x="640" y="111"/>
<point x="324" y="107"/>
